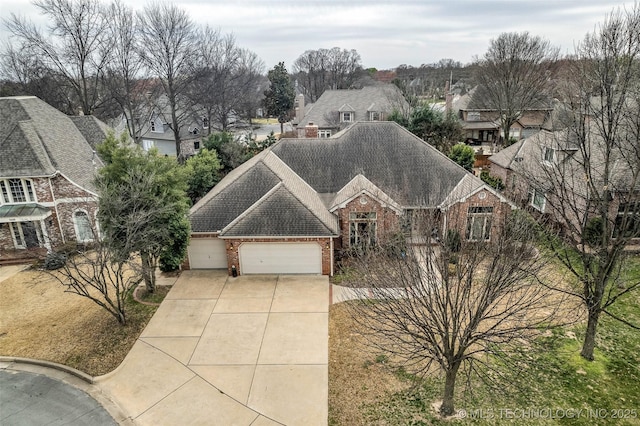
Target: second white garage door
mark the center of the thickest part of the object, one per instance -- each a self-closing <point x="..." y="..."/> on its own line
<point x="207" y="253"/>
<point x="280" y="258"/>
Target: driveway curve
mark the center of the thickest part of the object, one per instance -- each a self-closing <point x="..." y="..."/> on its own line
<point x="251" y="350"/>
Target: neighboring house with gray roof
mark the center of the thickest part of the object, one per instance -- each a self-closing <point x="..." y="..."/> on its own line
<point x="290" y="208"/>
<point x="337" y="109"/>
<point x="547" y="170"/>
<point x="48" y="161"/>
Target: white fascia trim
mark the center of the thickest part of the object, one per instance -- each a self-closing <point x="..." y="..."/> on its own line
<point x="33" y="218"/>
<point x="81" y="187"/>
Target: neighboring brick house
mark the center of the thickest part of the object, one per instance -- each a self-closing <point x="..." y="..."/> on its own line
<point x="337" y="109"/>
<point x="546" y="172"/>
<point x="293" y="206"/>
<point x="47" y="165"/>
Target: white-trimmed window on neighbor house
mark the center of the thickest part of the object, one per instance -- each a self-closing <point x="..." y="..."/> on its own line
<point x="375" y="116"/>
<point x="538" y="200"/>
<point x="549" y="155"/>
<point x="205" y="123"/>
<point x="479" y="223"/>
<point x="17" y="191"/>
<point x="627" y="223"/>
<point x="347" y="116"/>
<point x="82" y="225"/>
<point x="324" y="134"/>
<point x="362" y="228"/>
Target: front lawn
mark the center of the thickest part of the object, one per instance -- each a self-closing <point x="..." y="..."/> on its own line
<point x="39" y="320"/>
<point x="555" y="386"/>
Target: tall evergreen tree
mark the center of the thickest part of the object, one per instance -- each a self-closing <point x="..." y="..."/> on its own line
<point x="279" y="98"/>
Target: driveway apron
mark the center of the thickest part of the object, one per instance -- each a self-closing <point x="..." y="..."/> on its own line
<point x="251" y="350"/>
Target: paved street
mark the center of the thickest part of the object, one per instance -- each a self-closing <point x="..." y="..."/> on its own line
<point x="34" y="399"/>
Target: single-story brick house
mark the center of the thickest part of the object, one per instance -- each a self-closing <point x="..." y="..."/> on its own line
<point x="47" y="165"/>
<point x="291" y="207"/>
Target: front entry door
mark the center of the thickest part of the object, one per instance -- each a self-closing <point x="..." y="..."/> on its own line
<point x="30" y="235"/>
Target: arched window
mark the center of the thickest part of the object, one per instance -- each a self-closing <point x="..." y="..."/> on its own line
<point x="82" y="224"/>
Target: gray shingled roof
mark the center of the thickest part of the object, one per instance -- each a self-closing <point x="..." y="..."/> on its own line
<point x="406" y="168"/>
<point x="214" y="213"/>
<point x="370" y="98"/>
<point x="288" y="189"/>
<point x="37" y="140"/>
<point x="279" y="213"/>
<point x="93" y="130"/>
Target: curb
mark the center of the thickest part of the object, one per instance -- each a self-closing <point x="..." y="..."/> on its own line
<point x="48" y="364"/>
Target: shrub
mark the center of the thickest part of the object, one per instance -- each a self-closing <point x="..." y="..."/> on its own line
<point x="54" y="261"/>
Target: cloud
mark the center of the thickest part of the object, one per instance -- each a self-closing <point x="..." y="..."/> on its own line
<point x="385" y="33"/>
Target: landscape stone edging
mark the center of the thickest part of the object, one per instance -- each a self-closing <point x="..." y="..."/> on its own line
<point x="49" y="364"/>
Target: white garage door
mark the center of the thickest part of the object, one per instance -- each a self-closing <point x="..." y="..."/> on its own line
<point x="207" y="253"/>
<point x="280" y="258"/>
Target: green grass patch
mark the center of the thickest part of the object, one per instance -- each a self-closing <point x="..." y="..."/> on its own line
<point x="546" y="382"/>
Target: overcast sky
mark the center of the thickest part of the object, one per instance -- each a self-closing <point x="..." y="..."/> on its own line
<point x="385" y="33"/>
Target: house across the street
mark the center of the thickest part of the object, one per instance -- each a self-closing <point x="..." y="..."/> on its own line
<point x="293" y="206"/>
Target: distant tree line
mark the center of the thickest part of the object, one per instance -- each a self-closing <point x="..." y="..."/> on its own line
<point x="105" y="60"/>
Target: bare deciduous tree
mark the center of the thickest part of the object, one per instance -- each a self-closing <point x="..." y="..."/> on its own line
<point x="168" y="48"/>
<point x="227" y="77"/>
<point x="322" y="69"/>
<point x="124" y="77"/>
<point x="589" y="172"/>
<point x="100" y="277"/>
<point x="77" y="45"/>
<point x="513" y="76"/>
<point x="446" y="306"/>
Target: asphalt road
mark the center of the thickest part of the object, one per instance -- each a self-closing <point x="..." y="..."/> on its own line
<point x="33" y="399"/>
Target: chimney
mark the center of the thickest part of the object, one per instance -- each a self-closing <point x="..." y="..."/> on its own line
<point x="299" y="108"/>
<point x="311" y="131"/>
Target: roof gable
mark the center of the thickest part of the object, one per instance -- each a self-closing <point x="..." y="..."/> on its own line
<point x="361" y="185"/>
<point x="217" y="211"/>
<point x="279" y="213"/>
<point x="54" y="141"/>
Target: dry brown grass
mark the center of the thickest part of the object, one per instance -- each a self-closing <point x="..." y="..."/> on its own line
<point x="355" y="378"/>
<point x="39" y="320"/>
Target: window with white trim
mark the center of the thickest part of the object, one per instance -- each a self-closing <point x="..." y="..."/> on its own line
<point x="82" y="225"/>
<point x="479" y="223"/>
<point x="25" y="234"/>
<point x="205" y="123"/>
<point x="375" y="116"/>
<point x="627" y="222"/>
<point x="549" y="155"/>
<point x="324" y="134"/>
<point x="17" y="191"/>
<point x="362" y="228"/>
<point x="473" y="116"/>
<point x="346" y="117"/>
<point x="538" y="200"/>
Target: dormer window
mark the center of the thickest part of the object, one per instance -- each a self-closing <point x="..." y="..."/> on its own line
<point x="195" y="131"/>
<point x="375" y="116"/>
<point x="205" y="123"/>
<point x="346" y="117"/>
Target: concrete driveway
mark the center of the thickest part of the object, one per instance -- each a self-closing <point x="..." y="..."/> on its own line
<point x="251" y="350"/>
